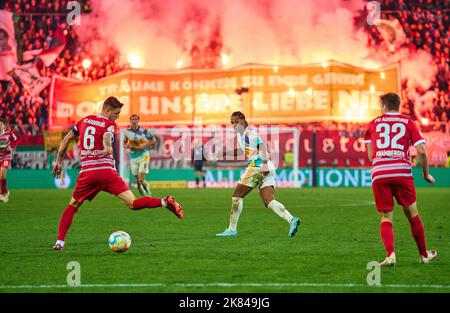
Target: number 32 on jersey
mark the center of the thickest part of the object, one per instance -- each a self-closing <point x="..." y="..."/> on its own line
<point x="385" y="130"/>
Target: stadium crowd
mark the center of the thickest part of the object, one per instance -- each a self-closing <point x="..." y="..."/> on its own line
<point x="426" y="26"/>
<point x="38" y="21"/>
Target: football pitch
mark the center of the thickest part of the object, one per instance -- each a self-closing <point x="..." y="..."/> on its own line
<point x="339" y="235"/>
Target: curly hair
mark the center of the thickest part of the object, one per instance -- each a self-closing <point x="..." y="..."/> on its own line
<point x="239" y="115"/>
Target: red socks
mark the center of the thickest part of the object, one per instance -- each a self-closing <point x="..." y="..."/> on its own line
<point x="419" y="234"/>
<point x="66" y="221"/>
<point x="4" y="190"/>
<point x="387" y="235"/>
<point x="147" y="202"/>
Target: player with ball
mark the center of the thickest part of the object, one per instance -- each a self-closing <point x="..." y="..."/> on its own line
<point x="98" y="171"/>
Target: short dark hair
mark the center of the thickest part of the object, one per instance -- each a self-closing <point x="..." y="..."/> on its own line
<point x="112" y="103"/>
<point x="238" y="114"/>
<point x="135" y="115"/>
<point x="391" y="101"/>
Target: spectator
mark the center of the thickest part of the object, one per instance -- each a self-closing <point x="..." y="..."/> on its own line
<point x="427" y="27"/>
<point x="426" y="24"/>
<point x="16" y="105"/>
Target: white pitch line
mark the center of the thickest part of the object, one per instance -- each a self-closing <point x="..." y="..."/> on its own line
<point x="155" y="285"/>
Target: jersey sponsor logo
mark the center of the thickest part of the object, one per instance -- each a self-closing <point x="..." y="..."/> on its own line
<point x="91" y="152"/>
<point x="390" y="153"/>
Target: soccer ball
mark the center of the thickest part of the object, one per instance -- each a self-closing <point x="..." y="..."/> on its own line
<point x="119" y="241"/>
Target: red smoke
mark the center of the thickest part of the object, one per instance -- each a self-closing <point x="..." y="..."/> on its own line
<point x="195" y="33"/>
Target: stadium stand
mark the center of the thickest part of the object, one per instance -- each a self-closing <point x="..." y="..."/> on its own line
<point x="27" y="114"/>
<point x="425" y="24"/>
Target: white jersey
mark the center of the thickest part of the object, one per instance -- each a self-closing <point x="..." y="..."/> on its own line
<point x="135" y="139"/>
<point x="249" y="141"/>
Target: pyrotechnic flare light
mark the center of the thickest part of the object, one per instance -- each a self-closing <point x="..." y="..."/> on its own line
<point x="325" y="64"/>
<point x="225" y="59"/>
<point x="179" y="64"/>
<point x="382" y="75"/>
<point x="291" y="92"/>
<point x="86" y="63"/>
<point x="309" y="91"/>
<point x="135" y="61"/>
<point x="276" y="68"/>
<point x="372" y="88"/>
<point x="425" y="121"/>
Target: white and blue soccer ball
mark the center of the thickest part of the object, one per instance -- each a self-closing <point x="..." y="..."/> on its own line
<point x="119" y="241"/>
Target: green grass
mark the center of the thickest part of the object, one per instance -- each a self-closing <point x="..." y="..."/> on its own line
<point x="338" y="237"/>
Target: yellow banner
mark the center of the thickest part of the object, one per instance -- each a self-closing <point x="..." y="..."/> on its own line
<point x="52" y="139"/>
<point x="266" y="94"/>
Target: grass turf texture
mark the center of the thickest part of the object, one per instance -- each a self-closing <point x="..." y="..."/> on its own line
<point x="338" y="237"/>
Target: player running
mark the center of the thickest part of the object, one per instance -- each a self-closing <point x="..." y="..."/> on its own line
<point x="98" y="172"/>
<point x="139" y="140"/>
<point x="260" y="172"/>
<point x="388" y="139"/>
<point x="7" y="144"/>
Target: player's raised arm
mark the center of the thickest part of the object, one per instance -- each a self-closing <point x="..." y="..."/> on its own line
<point x="57" y="168"/>
<point x="423" y="157"/>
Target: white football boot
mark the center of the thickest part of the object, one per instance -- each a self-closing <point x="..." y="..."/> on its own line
<point x="2" y="198"/>
<point x="432" y="255"/>
<point x="6" y="197"/>
<point x="389" y="261"/>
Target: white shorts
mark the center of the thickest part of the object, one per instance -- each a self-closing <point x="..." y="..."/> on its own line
<point x="252" y="177"/>
<point x="139" y="165"/>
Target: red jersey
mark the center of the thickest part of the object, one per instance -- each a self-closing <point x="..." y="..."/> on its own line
<point x="7" y="141"/>
<point x="91" y="130"/>
<point x="391" y="135"/>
